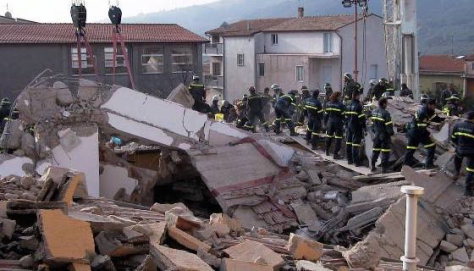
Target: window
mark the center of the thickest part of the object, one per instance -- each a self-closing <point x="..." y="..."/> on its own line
<point x="299" y="73"/>
<point x="120" y="66"/>
<point x="215" y="39"/>
<point x="152" y="60"/>
<point x="275" y="39"/>
<point x="216" y="68"/>
<point x="86" y="63"/>
<point x="373" y="72"/>
<point x="472" y="66"/>
<point x="328" y="42"/>
<point x="240" y="60"/>
<point x="261" y="69"/>
<point x="182" y="59"/>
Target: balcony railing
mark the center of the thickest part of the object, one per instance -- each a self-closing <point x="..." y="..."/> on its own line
<point x="214" y="81"/>
<point x="213" y="49"/>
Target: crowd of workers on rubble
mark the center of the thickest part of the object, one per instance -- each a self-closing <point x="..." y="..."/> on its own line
<point x="330" y="116"/>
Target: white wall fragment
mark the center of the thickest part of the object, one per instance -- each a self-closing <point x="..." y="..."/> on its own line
<point x="113" y="178"/>
<point x="10" y="165"/>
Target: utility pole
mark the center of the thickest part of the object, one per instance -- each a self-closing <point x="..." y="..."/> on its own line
<point x="362" y="4"/>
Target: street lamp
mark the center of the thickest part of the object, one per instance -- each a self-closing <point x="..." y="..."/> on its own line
<point x="355" y="3"/>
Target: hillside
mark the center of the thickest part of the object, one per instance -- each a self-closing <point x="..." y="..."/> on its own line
<point x="439" y="20"/>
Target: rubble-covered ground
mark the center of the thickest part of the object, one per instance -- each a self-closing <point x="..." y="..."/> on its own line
<point x="181" y="192"/>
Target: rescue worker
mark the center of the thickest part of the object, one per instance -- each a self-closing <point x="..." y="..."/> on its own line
<point x="242" y="112"/>
<point x="406" y="92"/>
<point x="382" y="126"/>
<point x="198" y="92"/>
<point x="452" y="106"/>
<point x="226" y="110"/>
<point x="277" y="93"/>
<point x="447" y="93"/>
<point x="350" y="86"/>
<point x="417" y="133"/>
<point x="284" y="109"/>
<point x="5" y="108"/>
<point x="372" y="84"/>
<point x="267" y="103"/>
<point x="463" y="137"/>
<point x="379" y="89"/>
<point x="391" y="88"/>
<point x="355" y="126"/>
<point x="334" y="122"/>
<point x="328" y="91"/>
<point x="314" y="111"/>
<point x="301" y="105"/>
<point x="255" y="111"/>
<point x="215" y="105"/>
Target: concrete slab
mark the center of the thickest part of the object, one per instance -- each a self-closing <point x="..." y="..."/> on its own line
<point x="12" y="165"/>
<point x="83" y="158"/>
<point x="113" y="178"/>
<point x="155" y="112"/>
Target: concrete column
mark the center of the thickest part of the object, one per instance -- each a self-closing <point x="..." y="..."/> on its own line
<point x="412" y="194"/>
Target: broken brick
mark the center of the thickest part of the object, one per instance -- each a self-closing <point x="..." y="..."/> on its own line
<point x="304" y="249"/>
<point x="251" y="251"/>
<point x="187" y="240"/>
<point x="65" y="239"/>
<point x="172" y="259"/>
<point x="236" y="265"/>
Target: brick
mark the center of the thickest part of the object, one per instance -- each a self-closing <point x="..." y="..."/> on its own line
<point x="8" y="227"/>
<point x="65" y="239"/>
<point x="235" y="265"/>
<point x="447" y="246"/>
<point x="155" y="231"/>
<point x="251" y="251"/>
<point x="304" y="249"/>
<point x="187" y="240"/>
<point x="172" y="259"/>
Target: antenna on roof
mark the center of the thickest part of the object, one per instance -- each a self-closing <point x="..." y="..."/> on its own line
<point x="8" y="14"/>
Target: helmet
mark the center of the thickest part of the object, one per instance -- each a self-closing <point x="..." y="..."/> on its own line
<point x="5" y="101"/>
<point x="384" y="80"/>
<point x="252" y="89"/>
<point x="347" y="76"/>
<point x="424" y="98"/>
<point x="275" y="87"/>
<point x="454" y="97"/>
<point x="327" y="85"/>
<point x="373" y="82"/>
<point x="293" y="92"/>
<point x="195" y="78"/>
<point x="304" y="88"/>
<point x="215" y="98"/>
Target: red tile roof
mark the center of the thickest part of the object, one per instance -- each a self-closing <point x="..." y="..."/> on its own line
<point x="96" y="33"/>
<point x="314" y="23"/>
<point x="441" y="63"/>
<point x="247" y="27"/>
<point x="319" y="23"/>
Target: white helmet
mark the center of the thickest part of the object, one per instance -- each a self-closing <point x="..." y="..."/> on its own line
<point x="275" y="86"/>
<point x="215" y="98"/>
<point x="195" y="77"/>
<point x="373" y="82"/>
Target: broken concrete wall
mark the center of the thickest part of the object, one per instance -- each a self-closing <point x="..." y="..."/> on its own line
<point x="113" y="179"/>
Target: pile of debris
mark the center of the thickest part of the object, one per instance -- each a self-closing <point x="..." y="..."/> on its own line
<point x="63" y="228"/>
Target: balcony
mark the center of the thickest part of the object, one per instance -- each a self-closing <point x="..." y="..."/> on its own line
<point x="214" y="49"/>
<point x="214" y="81"/>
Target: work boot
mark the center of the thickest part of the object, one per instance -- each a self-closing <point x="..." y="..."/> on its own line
<point x="373" y="169"/>
<point x="292" y="132"/>
<point x="327" y="152"/>
<point x="314" y="147"/>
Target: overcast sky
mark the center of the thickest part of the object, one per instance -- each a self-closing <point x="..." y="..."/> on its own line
<point x="58" y="10"/>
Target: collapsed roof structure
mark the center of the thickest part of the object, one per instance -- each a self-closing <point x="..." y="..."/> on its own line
<point x="170" y="153"/>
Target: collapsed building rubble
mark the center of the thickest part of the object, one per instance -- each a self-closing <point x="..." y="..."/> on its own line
<point x="254" y="190"/>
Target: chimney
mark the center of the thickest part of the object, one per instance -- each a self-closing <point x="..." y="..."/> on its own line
<point x="300" y="12"/>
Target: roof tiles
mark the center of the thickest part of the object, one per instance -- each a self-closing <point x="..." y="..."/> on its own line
<point x="96" y="33"/>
